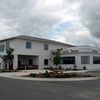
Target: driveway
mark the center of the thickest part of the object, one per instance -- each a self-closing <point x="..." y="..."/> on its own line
<point x="13" y="89"/>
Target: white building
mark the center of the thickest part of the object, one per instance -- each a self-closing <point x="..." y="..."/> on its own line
<point x="29" y="51"/>
<point x="82" y="56"/>
<point x="32" y="52"/>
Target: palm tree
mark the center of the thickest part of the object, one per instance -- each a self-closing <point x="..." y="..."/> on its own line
<point x="9" y="58"/>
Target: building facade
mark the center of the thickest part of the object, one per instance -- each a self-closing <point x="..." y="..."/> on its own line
<point x="29" y="52"/>
<point x="35" y="53"/>
<point x="81" y="57"/>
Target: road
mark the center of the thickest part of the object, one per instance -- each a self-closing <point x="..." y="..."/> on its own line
<point x="13" y="89"/>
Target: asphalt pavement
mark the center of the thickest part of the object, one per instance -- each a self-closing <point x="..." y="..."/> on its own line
<point x="14" y="89"/>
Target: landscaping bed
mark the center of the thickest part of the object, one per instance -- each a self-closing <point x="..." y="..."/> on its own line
<point x="59" y="74"/>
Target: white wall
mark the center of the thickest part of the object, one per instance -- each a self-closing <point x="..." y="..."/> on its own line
<point x="83" y="49"/>
<point x="19" y="46"/>
<point x="37" y="50"/>
<point x="78" y="61"/>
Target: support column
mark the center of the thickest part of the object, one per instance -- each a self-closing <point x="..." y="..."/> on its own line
<point x="41" y="61"/>
<point x="15" y="62"/>
<point x="1" y="64"/>
<point x="91" y="59"/>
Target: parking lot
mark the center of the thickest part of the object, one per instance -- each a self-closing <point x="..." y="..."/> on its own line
<point x="13" y="89"/>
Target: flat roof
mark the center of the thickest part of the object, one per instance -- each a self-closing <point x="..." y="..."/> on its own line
<point x="30" y="38"/>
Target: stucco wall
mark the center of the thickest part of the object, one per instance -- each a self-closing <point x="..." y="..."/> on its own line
<point x="37" y="50"/>
<point x="78" y="61"/>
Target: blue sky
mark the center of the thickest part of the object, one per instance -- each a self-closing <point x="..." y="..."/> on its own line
<point x="70" y="21"/>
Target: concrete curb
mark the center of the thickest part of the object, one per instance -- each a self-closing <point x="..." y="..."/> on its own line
<point x="52" y="79"/>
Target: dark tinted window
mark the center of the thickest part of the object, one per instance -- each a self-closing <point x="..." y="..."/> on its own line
<point x="96" y="60"/>
<point x="28" y="45"/>
<point x="30" y="62"/>
<point x="46" y="47"/>
<point x="45" y="61"/>
<point x="67" y="60"/>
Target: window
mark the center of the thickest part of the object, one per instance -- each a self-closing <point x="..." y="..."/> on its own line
<point x="45" y="61"/>
<point x="7" y="44"/>
<point x="46" y="47"/>
<point x="19" y="62"/>
<point x="2" y="48"/>
<point x="28" y="45"/>
<point x="67" y="60"/>
<point x="30" y="62"/>
<point x="85" y="59"/>
<point x="96" y="60"/>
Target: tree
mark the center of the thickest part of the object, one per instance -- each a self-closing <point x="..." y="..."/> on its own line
<point x="9" y="58"/>
<point x="56" y="57"/>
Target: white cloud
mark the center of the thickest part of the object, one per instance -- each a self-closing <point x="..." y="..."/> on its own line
<point x="54" y="19"/>
<point x="90" y="16"/>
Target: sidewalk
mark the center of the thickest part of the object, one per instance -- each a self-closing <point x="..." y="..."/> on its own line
<point x="17" y="75"/>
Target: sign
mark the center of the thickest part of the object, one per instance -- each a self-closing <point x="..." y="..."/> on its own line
<point x="74" y="51"/>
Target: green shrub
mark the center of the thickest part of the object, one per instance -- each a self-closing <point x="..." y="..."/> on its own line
<point x="60" y="68"/>
<point x="74" y="67"/>
<point x="32" y="75"/>
<point x="55" y="74"/>
<point x="69" y="68"/>
<point x="46" y="74"/>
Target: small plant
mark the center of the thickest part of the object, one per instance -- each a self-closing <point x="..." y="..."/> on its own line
<point x="75" y="67"/>
<point x="70" y="68"/>
<point x="60" y="68"/>
<point x="56" y="57"/>
<point x="32" y="75"/>
<point x="46" y="74"/>
<point x="51" y="68"/>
